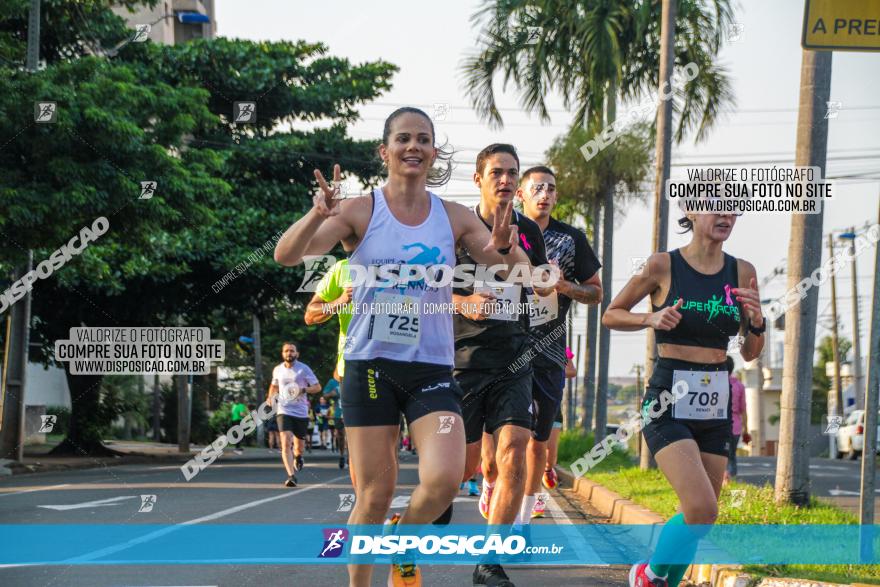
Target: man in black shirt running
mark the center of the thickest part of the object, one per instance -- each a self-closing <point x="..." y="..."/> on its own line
<point x="567" y="247"/>
<point x="489" y="351"/>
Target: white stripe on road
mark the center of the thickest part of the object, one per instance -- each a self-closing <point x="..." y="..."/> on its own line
<point x="49" y="488"/>
<point x="111" y="501"/>
<point x="159" y="533"/>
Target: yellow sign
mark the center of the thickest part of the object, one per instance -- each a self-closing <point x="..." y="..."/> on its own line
<point x="844" y="25"/>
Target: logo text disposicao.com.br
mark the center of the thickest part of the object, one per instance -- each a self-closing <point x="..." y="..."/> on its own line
<point x="448" y="544"/>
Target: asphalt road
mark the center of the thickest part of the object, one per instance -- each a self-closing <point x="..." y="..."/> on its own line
<point x="239" y="490"/>
<point x="828" y="477"/>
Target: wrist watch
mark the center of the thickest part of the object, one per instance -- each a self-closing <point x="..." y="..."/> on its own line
<point x="504" y="251"/>
<point x="758" y="331"/>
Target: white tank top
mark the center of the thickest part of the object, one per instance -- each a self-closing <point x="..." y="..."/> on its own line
<point x="405" y="322"/>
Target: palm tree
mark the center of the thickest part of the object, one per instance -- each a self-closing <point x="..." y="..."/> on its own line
<point x="618" y="172"/>
<point x="592" y="53"/>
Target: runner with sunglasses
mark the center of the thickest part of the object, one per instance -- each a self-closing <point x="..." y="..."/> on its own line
<point x="701" y="298"/>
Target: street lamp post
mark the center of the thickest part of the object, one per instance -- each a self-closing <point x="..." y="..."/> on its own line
<point x="856" y="343"/>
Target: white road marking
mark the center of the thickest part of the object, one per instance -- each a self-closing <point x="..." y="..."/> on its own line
<point x="112" y="501"/>
<point x="159" y="533"/>
<point x="400" y="501"/>
<point x="836" y="492"/>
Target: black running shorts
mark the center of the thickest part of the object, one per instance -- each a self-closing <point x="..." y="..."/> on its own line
<point x="547" y="387"/>
<point x="299" y="426"/>
<point x="376" y="391"/>
<point x="494" y="398"/>
<point x="711" y="436"/>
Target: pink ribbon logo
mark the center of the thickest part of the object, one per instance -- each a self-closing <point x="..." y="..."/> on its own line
<point x="727" y="301"/>
<point x="525" y="243"/>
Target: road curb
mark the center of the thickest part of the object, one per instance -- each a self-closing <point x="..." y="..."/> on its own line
<point x="623" y="511"/>
<point x="613" y="505"/>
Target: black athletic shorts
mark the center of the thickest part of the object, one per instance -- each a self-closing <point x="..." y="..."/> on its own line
<point x="493" y="398"/>
<point x="711" y="436"/>
<point x="376" y="391"/>
<point x="558" y="419"/>
<point x="547" y="387"/>
<point x="299" y="426"/>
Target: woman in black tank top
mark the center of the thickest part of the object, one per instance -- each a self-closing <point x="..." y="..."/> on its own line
<point x="703" y="302"/>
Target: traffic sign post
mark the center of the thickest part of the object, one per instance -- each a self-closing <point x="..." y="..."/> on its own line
<point x="841" y="25"/>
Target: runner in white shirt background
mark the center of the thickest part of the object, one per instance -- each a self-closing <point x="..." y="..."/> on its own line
<point x="292" y="382"/>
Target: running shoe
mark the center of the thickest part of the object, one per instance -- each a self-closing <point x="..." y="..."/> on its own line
<point x="404" y="573"/>
<point x="550" y="479"/>
<point x="298" y="463"/>
<point x="291" y="481"/>
<point x="540" y="506"/>
<point x="342" y="462"/>
<point x="638" y="577"/>
<point x="473" y="490"/>
<point x="491" y="576"/>
<point x="485" y="499"/>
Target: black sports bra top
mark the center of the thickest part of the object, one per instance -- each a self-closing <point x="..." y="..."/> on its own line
<point x="710" y="314"/>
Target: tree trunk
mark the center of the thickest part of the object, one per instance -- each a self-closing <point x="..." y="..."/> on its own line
<point x="607" y="273"/>
<point x="661" y="174"/>
<point x="804" y="256"/>
<point x="213" y="400"/>
<point x="589" y="399"/>
<point x="604" y="333"/>
<point x="84" y="436"/>
<point x="183" y="412"/>
<point x="157" y="409"/>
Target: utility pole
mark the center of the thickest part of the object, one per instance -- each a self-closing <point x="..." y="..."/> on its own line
<point x="866" y="499"/>
<point x="757" y="447"/>
<point x="857" y="344"/>
<point x="835" y="399"/>
<point x="18" y="328"/>
<point x="804" y="256"/>
<point x="669" y="12"/>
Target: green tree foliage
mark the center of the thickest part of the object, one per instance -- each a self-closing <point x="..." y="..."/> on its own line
<point x="584" y="49"/>
<point x="625" y="164"/>
<point x="224" y="190"/>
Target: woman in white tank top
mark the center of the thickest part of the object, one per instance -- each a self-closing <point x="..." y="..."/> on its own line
<point x="392" y="369"/>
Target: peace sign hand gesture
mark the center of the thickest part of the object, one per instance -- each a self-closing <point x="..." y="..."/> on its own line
<point x="325" y="201"/>
<point x="504" y="234"/>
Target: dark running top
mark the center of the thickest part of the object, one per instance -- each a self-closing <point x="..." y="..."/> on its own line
<point x="494" y="344"/>
<point x="710" y="314"/>
<point x="577" y="262"/>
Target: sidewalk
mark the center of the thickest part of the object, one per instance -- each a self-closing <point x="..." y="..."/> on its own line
<point x="850" y="504"/>
<point x="37" y="460"/>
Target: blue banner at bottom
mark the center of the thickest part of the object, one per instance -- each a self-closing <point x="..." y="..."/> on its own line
<point x="544" y="544"/>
